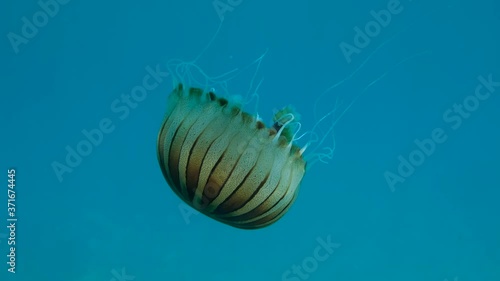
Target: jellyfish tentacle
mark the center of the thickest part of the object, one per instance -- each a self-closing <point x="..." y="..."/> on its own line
<point x="365" y="61"/>
<point x="282" y="126"/>
<point x="329" y="155"/>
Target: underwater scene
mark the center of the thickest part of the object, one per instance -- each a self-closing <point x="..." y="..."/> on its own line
<point x="236" y="140"/>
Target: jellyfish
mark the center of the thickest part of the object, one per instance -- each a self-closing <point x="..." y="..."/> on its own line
<point x="225" y="162"/>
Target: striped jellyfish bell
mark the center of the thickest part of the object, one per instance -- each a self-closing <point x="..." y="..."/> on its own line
<point x="226" y="163"/>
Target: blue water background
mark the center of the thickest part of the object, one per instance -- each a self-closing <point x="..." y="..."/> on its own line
<point x="114" y="214"/>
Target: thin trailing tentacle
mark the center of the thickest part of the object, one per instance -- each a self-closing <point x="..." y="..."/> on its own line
<point x="283" y="125"/>
<point x="329" y="155"/>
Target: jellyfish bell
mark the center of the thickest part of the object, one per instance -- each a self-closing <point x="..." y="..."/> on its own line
<point x="225" y="162"/>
